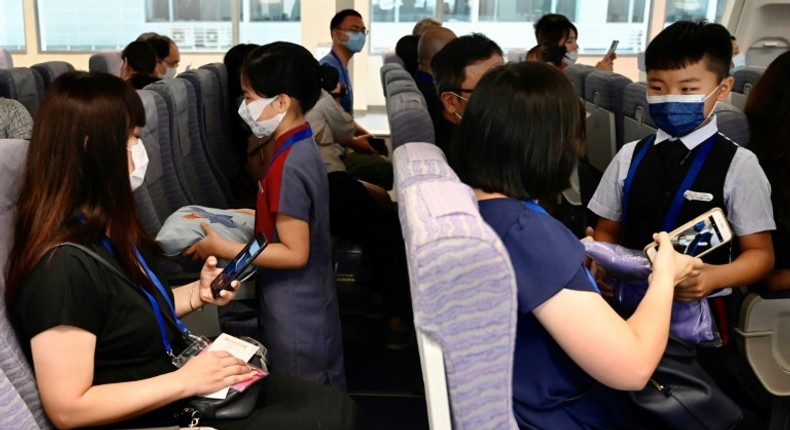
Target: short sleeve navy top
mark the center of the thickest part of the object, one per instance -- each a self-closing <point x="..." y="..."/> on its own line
<point x="550" y="391"/>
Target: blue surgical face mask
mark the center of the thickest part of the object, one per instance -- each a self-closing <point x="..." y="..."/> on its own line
<point x="678" y="114"/>
<point x="738" y="62"/>
<point x="356" y="40"/>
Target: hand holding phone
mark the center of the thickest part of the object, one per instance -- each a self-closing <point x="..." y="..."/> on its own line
<point x="378" y="144"/>
<point x="234" y="269"/>
<point x="612" y="48"/>
<point x="697" y="237"/>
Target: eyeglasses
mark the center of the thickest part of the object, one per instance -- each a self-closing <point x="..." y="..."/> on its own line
<point x="364" y="31"/>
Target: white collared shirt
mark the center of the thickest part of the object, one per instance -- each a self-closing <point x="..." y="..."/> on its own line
<point x="747" y="192"/>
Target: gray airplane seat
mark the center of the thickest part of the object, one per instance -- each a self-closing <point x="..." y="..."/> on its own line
<point x="24" y="85"/>
<point x="603" y="98"/>
<point x="106" y="62"/>
<point x="215" y="128"/>
<point x="20" y="406"/>
<point x="745" y="78"/>
<point x="189" y="157"/>
<point x="763" y="338"/>
<point x="402" y="86"/>
<point x="6" y="60"/>
<point x="637" y="123"/>
<point x="390" y="57"/>
<point x="398" y="75"/>
<point x="577" y="73"/>
<point x="221" y="71"/>
<point x="50" y="70"/>
<point x="734" y="125"/>
<point x="386" y="69"/>
<point x="764" y="51"/>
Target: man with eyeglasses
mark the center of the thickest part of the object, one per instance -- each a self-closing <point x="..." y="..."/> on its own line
<point x="348" y="37"/>
<point x="456" y="70"/>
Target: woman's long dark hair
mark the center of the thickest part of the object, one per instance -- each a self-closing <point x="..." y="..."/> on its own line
<point x="77" y="164"/>
<point x="768" y="111"/>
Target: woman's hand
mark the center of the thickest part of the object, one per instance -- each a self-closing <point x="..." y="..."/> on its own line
<point x="607" y="63"/>
<point x="669" y="262"/>
<point x="210" y="371"/>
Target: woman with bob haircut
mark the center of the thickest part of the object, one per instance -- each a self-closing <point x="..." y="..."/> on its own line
<point x="519" y="141"/>
<point x="298" y="310"/>
<point x="101" y="341"/>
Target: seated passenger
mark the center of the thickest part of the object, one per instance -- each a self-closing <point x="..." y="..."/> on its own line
<point x="406" y="49"/>
<point x="768" y="111"/>
<point x="522" y="135"/>
<point x="559" y="30"/>
<point x="456" y="68"/>
<point x="167" y="54"/>
<point x="295" y="286"/>
<point x="139" y="64"/>
<point x="15" y="120"/>
<point x="101" y="347"/>
<point x="547" y="52"/>
<point x="431" y="42"/>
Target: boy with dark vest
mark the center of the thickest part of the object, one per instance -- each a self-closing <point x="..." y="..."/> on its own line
<point x="686" y="168"/>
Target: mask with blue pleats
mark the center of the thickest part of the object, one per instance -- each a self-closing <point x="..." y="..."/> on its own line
<point x="356" y="40"/>
<point x="678" y="114"/>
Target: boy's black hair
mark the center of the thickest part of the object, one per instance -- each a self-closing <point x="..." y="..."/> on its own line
<point x="522" y="134"/>
<point x="406" y="49"/>
<point x="554" y="28"/>
<point x="688" y="42"/>
<point x="448" y="64"/>
<point x="340" y="16"/>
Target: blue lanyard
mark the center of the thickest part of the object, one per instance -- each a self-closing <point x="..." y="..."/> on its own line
<point x="296" y="137"/>
<point x="688" y="181"/>
<point x="534" y="207"/>
<point x="424" y="77"/>
<point x="344" y="71"/>
<point x="154" y="304"/>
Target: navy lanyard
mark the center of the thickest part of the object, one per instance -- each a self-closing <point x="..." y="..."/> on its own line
<point x="688" y="181"/>
<point x="296" y="137"/>
<point x="534" y="207"/>
<point x="344" y="71"/>
<point x="154" y="304"/>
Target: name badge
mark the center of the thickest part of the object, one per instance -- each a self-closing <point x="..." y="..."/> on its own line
<point x="698" y="196"/>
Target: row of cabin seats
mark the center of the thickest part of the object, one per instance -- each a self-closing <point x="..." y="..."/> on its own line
<point x="407" y="112"/>
<point x="28" y="84"/>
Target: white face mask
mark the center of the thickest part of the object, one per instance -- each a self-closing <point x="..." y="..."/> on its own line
<point x="140" y="161"/>
<point x="570" y="58"/>
<point x="170" y="73"/>
<point x="250" y="112"/>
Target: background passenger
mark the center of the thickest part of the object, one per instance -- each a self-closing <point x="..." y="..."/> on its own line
<point x="15" y="120"/>
<point x="87" y="332"/>
<point x="406" y="49"/>
<point x="431" y="42"/>
<point x="457" y="67"/>
<point x="559" y="30"/>
<point x="299" y="316"/>
<point x="424" y="24"/>
<point x="521" y="136"/>
<point x="768" y="111"/>
<point x="167" y="54"/>
<point x="139" y="64"/>
<point x="246" y="145"/>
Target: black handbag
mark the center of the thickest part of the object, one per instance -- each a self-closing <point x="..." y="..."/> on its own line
<point x="235" y="405"/>
<point x="681" y="395"/>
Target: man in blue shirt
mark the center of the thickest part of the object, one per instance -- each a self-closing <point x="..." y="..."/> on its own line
<point x="348" y="37"/>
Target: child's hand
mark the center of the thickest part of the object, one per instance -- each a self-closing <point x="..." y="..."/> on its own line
<point x="696" y="287"/>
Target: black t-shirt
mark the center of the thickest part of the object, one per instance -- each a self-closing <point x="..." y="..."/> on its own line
<point x="445" y="130"/>
<point x="68" y="287"/>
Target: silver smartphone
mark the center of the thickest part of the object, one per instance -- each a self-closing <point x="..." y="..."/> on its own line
<point x="699" y="236"/>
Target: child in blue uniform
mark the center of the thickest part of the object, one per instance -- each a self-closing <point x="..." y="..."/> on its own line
<point x="299" y="314"/>
<point x="521" y="137"/>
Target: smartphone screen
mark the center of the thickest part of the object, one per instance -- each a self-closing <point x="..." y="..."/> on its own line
<point x="240" y="262"/>
<point x="698" y="238"/>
